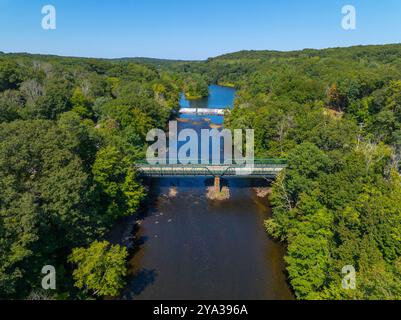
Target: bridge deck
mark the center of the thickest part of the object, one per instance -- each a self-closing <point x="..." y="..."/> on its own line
<point x="190" y="170"/>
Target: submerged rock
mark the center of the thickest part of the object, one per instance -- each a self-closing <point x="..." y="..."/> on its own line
<point x="213" y="194"/>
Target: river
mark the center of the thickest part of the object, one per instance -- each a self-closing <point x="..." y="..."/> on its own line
<point x="188" y="247"/>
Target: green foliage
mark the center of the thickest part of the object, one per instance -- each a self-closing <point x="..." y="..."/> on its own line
<point x="116" y="177"/>
<point x="335" y="114"/>
<point x="89" y="139"/>
<point x="11" y="103"/>
<point x="101" y="268"/>
<point x="54" y="101"/>
<point x="333" y="216"/>
<point x="10" y="75"/>
<point x="79" y="103"/>
<point x="196" y="87"/>
<point x="69" y="131"/>
<point x="46" y="201"/>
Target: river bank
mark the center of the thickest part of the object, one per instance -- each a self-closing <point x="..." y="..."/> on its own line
<point x="186" y="246"/>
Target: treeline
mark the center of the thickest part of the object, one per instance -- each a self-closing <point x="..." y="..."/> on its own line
<point x="335" y="115"/>
<point x="70" y="130"/>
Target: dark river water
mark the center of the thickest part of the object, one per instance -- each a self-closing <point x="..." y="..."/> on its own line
<point x="188" y="247"/>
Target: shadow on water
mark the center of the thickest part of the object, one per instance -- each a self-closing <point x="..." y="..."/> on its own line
<point x="187" y="183"/>
<point x="139" y="282"/>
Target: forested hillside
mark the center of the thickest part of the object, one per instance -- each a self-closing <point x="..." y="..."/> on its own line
<point x="336" y="115"/>
<point x="70" y="130"/>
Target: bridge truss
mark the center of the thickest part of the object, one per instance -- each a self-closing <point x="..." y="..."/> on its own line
<point x="262" y="168"/>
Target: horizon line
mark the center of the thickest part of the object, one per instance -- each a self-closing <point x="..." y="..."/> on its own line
<point x="195" y="60"/>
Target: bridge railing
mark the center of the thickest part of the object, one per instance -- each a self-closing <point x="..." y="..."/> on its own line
<point x="198" y="162"/>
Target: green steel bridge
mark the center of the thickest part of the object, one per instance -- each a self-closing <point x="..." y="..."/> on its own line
<point x="262" y="168"/>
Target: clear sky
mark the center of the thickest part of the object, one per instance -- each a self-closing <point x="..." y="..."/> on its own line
<point x="192" y="29"/>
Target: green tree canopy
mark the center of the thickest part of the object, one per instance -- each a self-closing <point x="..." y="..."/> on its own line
<point x="101" y="268"/>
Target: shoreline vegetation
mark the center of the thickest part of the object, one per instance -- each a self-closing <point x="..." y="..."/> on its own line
<point x="227" y="85"/>
<point x="334" y="114"/>
<point x="195" y="87"/>
<point x="198" y="97"/>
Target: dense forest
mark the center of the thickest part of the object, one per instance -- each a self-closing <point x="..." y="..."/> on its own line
<point x="70" y="129"/>
<point x="336" y="116"/>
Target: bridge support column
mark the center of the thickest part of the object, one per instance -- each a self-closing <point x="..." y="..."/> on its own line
<point x="217" y="184"/>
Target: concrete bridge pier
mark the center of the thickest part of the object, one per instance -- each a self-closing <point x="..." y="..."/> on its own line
<point x="217" y="183"/>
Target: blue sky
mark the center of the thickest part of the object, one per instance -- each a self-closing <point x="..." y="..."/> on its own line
<point x="192" y="29"/>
